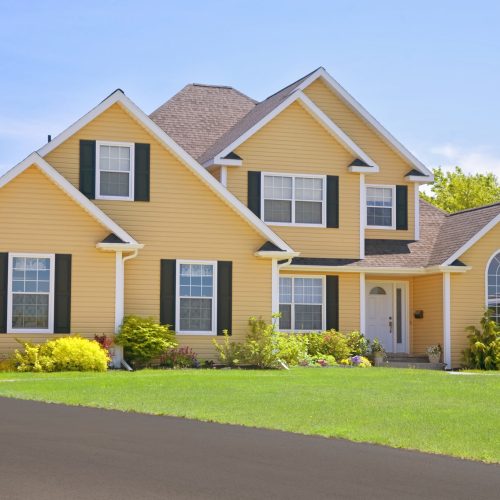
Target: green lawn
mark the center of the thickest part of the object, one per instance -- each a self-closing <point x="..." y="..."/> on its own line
<point x="430" y="411"/>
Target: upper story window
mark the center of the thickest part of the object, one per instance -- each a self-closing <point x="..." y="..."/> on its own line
<point x="493" y="287"/>
<point x="294" y="199"/>
<point x="114" y="171"/>
<point x="31" y="293"/>
<point x="380" y="207"/>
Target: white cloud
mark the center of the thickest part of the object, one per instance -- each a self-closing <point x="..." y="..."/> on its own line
<point x="481" y="159"/>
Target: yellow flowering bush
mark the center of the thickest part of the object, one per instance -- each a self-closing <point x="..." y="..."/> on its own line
<point x="359" y="361"/>
<point x="64" y="354"/>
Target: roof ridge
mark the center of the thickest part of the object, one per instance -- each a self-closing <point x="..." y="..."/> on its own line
<point x="293" y="83"/>
<point x="474" y="208"/>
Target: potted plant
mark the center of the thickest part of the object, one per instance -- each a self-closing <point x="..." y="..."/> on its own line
<point x="434" y="353"/>
<point x="378" y="352"/>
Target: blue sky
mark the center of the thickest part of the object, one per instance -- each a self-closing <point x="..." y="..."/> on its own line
<point x="428" y="70"/>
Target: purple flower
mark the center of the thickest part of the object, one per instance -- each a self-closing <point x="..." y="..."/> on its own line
<point x="356" y="360"/>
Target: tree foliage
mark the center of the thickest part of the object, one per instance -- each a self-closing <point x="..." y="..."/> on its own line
<point x="456" y="190"/>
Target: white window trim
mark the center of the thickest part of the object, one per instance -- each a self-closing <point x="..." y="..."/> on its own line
<point x="293" y="224"/>
<point x="393" y="208"/>
<point x="486" y="275"/>
<point x="98" y="195"/>
<point x="323" y="305"/>
<point x="178" y="331"/>
<point x="31" y="331"/>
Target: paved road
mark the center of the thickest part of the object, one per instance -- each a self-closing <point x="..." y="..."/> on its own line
<point x="57" y="452"/>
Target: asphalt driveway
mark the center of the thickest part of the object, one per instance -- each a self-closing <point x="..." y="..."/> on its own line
<point x="58" y="452"/>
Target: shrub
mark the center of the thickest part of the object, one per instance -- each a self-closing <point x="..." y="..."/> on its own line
<point x="104" y="341"/>
<point x="483" y="352"/>
<point x="359" y="361"/>
<point x="182" y="357"/>
<point x="358" y="344"/>
<point x="292" y="348"/>
<point x="261" y="346"/>
<point x="334" y="344"/>
<point x="63" y="354"/>
<point x="144" y="339"/>
<point x="229" y="353"/>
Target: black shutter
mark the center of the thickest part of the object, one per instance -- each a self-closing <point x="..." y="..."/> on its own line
<point x="332" y="201"/>
<point x="87" y="168"/>
<point x="62" y="294"/>
<point x="4" y="276"/>
<point x="402" y="207"/>
<point x="167" y="292"/>
<point x="254" y="192"/>
<point x="141" y="174"/>
<point x="332" y="302"/>
<point x="224" y="297"/>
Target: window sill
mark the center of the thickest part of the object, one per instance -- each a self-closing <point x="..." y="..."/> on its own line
<point x="113" y="198"/>
<point x="206" y="334"/>
<point x="292" y="224"/>
<point x="386" y="228"/>
<point x="26" y="331"/>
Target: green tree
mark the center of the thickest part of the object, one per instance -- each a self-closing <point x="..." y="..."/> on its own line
<point x="456" y="190"/>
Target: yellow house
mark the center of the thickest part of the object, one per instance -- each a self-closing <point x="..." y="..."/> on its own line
<point x="217" y="207"/>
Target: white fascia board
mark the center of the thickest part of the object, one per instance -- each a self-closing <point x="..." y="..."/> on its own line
<point x="381" y="270"/>
<point x="316" y="112"/>
<point x="364" y="170"/>
<point x="276" y="255"/>
<point x="68" y="188"/>
<point x="346" y="97"/>
<point x="119" y="247"/>
<point x="119" y="97"/>
<point x="420" y="178"/>
<point x="472" y="241"/>
<point x="224" y="163"/>
<point x="337" y="132"/>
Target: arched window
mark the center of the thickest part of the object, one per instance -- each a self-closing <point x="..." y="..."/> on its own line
<point x="493" y="286"/>
<point x="377" y="290"/>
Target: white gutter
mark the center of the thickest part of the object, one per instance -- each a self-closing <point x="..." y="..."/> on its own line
<point x="382" y="270"/>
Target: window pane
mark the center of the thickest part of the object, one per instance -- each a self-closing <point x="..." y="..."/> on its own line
<point x="285" y="321"/>
<point x="379" y="216"/>
<point x="115" y="158"/>
<point x="114" y="184"/>
<point x="277" y="211"/>
<point x="277" y="188"/>
<point x="308" y="317"/>
<point x="195" y="315"/>
<point x="308" y="212"/>
<point x="196" y="280"/>
<point x="307" y="189"/>
<point x="30" y="311"/>
<point x="308" y="291"/>
<point x="285" y="290"/>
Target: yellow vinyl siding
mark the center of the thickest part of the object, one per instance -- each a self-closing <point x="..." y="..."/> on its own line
<point x="183" y="220"/>
<point x="392" y="167"/>
<point x="468" y="292"/>
<point x="348" y="296"/>
<point x="37" y="217"/>
<point x="293" y="142"/>
<point x="428" y="297"/>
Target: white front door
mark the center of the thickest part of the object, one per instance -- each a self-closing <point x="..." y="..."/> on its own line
<point x="379" y="313"/>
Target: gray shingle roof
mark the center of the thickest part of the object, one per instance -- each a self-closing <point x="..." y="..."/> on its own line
<point x="199" y="114"/>
<point x="458" y="229"/>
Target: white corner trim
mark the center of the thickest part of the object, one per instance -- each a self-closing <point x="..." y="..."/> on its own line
<point x="356" y="106"/>
<point x="275" y="284"/>
<point x="119" y="97"/>
<point x="473" y="240"/>
<point x="362" y="303"/>
<point x="60" y="181"/>
<point x="119" y="290"/>
<point x="362" y="215"/>
<point x="447" y="319"/>
<point x="417" y="212"/>
<point x="223" y="175"/>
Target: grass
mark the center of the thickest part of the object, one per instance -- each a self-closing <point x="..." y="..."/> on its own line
<point x="415" y="409"/>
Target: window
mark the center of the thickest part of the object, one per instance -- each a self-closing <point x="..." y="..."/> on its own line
<point x="290" y="199"/>
<point x="380" y="212"/>
<point x="493" y="284"/>
<point x="31" y="293"/>
<point x="301" y="303"/>
<point x="115" y="171"/>
<point x="196" y="292"/>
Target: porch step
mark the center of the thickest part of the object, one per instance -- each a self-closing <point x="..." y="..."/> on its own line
<point x="410" y="361"/>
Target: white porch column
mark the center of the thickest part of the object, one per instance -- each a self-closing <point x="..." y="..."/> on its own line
<point x="417" y="211"/>
<point x="447" y="319"/>
<point x="275" y="286"/>
<point x="362" y="303"/>
<point x="119" y="290"/>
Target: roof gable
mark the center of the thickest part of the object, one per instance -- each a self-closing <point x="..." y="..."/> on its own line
<point x="36" y="160"/>
<point x="118" y="97"/>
